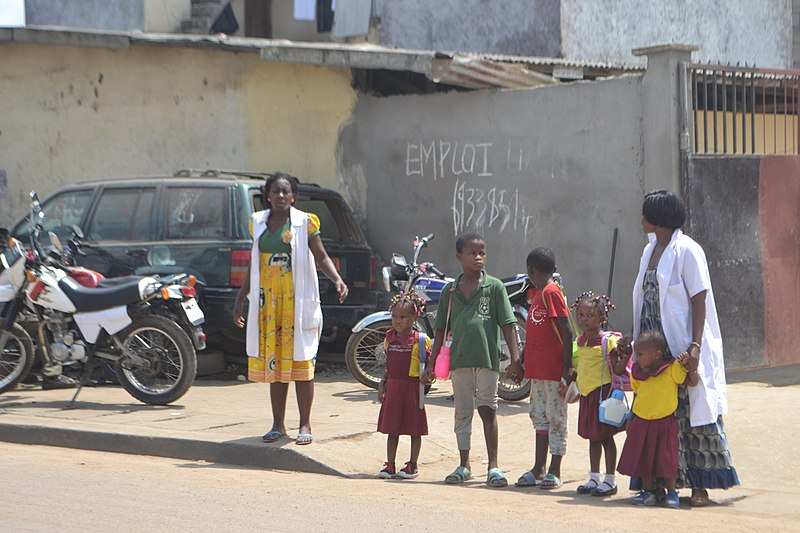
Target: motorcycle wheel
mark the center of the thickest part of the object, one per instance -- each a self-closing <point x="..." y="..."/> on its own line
<point x="365" y="356"/>
<point x="16" y="359"/>
<point x="173" y="361"/>
<point x="507" y="389"/>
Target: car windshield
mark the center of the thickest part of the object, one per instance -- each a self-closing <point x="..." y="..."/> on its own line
<point x="60" y="213"/>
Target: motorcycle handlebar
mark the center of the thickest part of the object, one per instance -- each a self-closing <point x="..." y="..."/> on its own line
<point x="435" y="270"/>
<point x="421" y="243"/>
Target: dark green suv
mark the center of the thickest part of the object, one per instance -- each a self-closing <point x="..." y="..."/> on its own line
<point x="198" y="221"/>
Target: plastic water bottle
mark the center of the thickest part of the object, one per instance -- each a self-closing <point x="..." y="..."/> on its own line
<point x="614" y="410"/>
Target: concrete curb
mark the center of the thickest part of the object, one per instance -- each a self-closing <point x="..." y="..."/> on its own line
<point x="243" y="452"/>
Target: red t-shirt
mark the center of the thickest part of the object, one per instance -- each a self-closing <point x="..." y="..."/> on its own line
<point x="544" y="352"/>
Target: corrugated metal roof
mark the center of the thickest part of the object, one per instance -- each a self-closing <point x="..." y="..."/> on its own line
<point x="470" y="70"/>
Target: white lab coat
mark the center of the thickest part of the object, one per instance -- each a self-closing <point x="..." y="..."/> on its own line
<point x="307" y="310"/>
<point x="682" y="272"/>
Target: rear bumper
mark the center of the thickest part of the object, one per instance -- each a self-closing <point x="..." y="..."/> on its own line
<point x="337" y="320"/>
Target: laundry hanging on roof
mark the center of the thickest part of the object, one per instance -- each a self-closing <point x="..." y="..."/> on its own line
<point x="305" y="9"/>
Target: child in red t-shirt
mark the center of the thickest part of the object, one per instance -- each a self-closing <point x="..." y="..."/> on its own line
<point x="548" y="361"/>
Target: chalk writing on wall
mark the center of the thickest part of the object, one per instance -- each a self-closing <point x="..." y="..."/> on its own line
<point x="479" y="203"/>
<point x="480" y="208"/>
<point x="441" y="159"/>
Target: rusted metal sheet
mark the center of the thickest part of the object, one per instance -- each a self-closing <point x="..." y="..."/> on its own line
<point x="472" y="71"/>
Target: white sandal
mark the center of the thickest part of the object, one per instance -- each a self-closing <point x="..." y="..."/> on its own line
<point x="528" y="480"/>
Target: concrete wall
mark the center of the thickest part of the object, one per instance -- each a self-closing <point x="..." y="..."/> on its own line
<point x="735" y="31"/>
<point x="96" y="14"/>
<point x="779" y="213"/>
<point x="721" y="194"/>
<point x="72" y="113"/>
<point x="527" y="27"/>
<point x="795" y="33"/>
<point x="558" y="167"/>
<point x="744" y="212"/>
<point x="147" y="15"/>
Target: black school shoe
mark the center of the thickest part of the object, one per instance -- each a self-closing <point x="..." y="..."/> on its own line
<point x="604" y="489"/>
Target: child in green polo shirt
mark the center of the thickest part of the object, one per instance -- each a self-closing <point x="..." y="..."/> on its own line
<point x="473" y="308"/>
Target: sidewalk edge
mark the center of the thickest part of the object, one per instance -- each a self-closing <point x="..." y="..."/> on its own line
<point x="231" y="452"/>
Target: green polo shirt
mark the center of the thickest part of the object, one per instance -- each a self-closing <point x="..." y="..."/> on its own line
<point x="475" y="323"/>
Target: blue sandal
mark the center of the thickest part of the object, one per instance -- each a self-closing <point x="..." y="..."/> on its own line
<point x="304" y="438"/>
<point x="272" y="436"/>
<point x="496" y="478"/>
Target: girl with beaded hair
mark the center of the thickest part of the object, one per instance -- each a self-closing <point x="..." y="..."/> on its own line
<point x="402" y="405"/>
<point x="594" y="382"/>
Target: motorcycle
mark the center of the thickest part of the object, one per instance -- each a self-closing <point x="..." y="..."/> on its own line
<point x="365" y="355"/>
<point x="65" y="257"/>
<point x="132" y="322"/>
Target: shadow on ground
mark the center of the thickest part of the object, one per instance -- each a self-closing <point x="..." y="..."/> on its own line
<point x="780" y="376"/>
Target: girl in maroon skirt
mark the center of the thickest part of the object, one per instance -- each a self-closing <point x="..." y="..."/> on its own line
<point x="594" y="382"/>
<point x="651" y="449"/>
<point x="402" y="408"/>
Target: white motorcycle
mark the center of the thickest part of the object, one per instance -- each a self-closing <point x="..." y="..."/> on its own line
<point x="129" y="321"/>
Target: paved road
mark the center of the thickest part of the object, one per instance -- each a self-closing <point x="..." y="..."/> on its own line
<point x="49" y="489"/>
<point x="222" y="422"/>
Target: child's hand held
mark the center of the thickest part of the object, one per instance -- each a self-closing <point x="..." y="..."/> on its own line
<point x="515" y="372"/>
<point x="624" y="346"/>
<point x="562" y="389"/>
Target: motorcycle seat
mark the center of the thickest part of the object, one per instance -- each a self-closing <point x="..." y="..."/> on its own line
<point x="96" y="299"/>
<point x="107" y="283"/>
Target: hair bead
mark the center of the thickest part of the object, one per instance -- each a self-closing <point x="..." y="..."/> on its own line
<point x="417" y="303"/>
<point x="601" y="300"/>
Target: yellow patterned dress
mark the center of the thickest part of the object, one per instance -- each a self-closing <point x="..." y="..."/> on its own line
<point x="275" y="362"/>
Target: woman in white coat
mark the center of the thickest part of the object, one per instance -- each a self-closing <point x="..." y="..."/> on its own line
<point x="284" y="317"/>
<point x="673" y="295"/>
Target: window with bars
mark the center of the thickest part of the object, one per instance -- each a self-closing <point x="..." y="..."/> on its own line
<point x="744" y="110"/>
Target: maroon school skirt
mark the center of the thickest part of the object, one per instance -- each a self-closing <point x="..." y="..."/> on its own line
<point x="651" y="449"/>
<point x="400" y="413"/>
<point x="589" y="425"/>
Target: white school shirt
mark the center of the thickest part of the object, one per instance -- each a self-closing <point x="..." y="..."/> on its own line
<point x="682" y="272"/>
<point x="307" y="309"/>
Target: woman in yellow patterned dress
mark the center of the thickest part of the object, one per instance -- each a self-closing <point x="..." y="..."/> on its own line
<point x="284" y="317"/>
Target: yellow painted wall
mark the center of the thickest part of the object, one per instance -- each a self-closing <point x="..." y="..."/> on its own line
<point x="72" y="113"/>
<point x="775" y="134"/>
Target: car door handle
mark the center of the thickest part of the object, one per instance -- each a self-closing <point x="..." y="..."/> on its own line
<point x="136" y="252"/>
